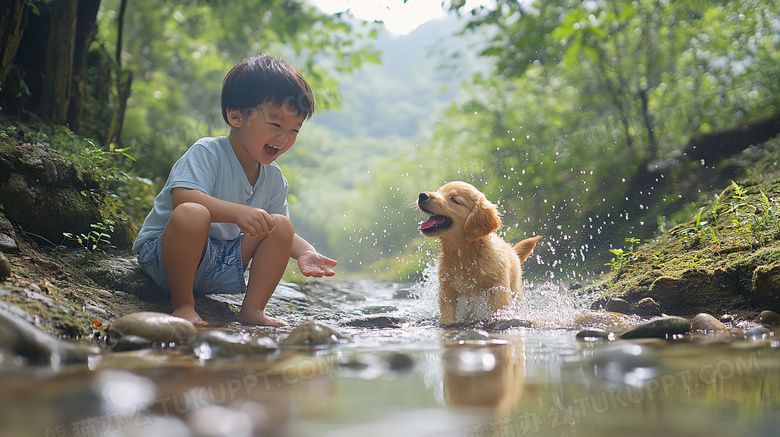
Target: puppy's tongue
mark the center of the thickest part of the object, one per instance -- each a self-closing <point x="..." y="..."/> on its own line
<point x="431" y="222"/>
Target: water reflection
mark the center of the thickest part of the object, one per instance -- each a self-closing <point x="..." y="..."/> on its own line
<point x="483" y="376"/>
<point x="414" y="379"/>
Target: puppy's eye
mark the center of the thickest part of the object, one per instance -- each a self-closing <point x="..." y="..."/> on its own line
<point x="452" y="199"/>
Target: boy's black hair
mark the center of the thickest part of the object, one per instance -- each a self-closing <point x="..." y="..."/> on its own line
<point x="265" y="79"/>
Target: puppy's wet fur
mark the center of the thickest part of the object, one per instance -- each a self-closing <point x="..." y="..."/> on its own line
<point x="474" y="260"/>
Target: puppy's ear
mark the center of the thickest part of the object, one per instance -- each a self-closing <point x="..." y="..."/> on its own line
<point x="482" y="221"/>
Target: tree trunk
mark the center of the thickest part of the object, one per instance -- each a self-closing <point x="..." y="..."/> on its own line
<point x="58" y="70"/>
<point x="11" y="28"/>
<point x="124" y="81"/>
<point x="86" y="29"/>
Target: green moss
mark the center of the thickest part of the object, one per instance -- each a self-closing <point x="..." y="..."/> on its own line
<point x="710" y="260"/>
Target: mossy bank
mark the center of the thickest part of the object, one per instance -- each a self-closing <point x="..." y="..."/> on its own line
<point x="726" y="259"/>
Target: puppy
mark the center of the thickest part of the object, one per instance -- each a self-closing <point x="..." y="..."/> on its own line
<point x="474" y="260"/>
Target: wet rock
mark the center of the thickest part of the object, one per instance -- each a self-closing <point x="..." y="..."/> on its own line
<point x="591" y="335"/>
<point x="648" y="307"/>
<point x="355" y="297"/>
<point x="623" y="364"/>
<point x="403" y="293"/>
<point x="370" y="366"/>
<point x="123" y="274"/>
<point x="706" y="322"/>
<point x="130" y="343"/>
<point x="399" y="362"/>
<point x="314" y="335"/>
<point x="375" y="322"/>
<point x="598" y="319"/>
<point x="508" y="324"/>
<point x="287" y="293"/>
<point x="156" y="327"/>
<point x="757" y="333"/>
<point x="617" y="305"/>
<point x="43" y="191"/>
<point x="598" y="304"/>
<point x="7" y="241"/>
<point x="5" y="267"/>
<point x="22" y="339"/>
<point x="768" y="318"/>
<point x="474" y="337"/>
<point x="727" y="319"/>
<point x="663" y="328"/>
<point x="379" y="309"/>
<point x="215" y="344"/>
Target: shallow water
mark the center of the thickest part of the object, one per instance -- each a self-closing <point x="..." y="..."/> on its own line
<point x="414" y="379"/>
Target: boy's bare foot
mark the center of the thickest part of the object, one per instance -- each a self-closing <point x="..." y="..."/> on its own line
<point x="187" y="312"/>
<point x="257" y="318"/>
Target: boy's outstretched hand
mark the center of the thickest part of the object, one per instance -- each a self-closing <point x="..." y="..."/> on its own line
<point x="312" y="263"/>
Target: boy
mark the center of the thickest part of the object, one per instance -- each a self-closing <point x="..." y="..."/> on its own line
<point x="225" y="201"/>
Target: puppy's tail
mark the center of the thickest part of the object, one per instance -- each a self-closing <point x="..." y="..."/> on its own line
<point x="525" y="247"/>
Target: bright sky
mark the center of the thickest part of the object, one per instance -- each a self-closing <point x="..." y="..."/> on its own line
<point x="399" y="17"/>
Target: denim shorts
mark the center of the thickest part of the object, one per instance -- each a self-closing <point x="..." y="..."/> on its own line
<point x="221" y="271"/>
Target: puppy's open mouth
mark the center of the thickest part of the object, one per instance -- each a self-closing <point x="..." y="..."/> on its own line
<point x="434" y="223"/>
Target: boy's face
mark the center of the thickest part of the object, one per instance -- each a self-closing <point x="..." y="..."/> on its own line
<point x="265" y="132"/>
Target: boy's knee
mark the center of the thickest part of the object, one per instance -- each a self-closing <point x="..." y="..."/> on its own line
<point x="191" y="214"/>
<point x="283" y="224"/>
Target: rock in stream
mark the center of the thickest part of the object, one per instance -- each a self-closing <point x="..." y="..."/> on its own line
<point x="155" y="327"/>
<point x="314" y="335"/>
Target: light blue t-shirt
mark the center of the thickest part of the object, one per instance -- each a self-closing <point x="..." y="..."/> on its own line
<point x="211" y="166"/>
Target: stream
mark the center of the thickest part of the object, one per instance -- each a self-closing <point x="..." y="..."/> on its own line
<point x="405" y="376"/>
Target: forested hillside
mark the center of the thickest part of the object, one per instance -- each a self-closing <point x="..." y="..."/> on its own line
<point x="584" y="121"/>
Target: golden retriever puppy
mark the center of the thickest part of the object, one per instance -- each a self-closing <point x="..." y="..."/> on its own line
<point x="474" y="261"/>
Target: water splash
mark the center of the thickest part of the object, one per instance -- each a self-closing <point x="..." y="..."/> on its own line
<point x="547" y="305"/>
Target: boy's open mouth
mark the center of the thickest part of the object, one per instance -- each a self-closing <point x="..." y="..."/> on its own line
<point x="271" y="150"/>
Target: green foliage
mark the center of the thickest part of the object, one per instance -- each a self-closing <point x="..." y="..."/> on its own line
<point x="621" y="257"/>
<point x="180" y="52"/>
<point x="587" y="101"/>
<point x="98" y="239"/>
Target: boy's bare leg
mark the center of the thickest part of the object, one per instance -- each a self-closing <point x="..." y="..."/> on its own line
<point x="269" y="254"/>
<point x="183" y="244"/>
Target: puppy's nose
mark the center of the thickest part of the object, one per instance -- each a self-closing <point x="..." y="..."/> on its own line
<point x="423" y="197"/>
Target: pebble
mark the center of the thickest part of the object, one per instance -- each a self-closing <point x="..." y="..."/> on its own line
<point x="5" y="267"/>
<point x="130" y="343"/>
<point x="617" y="305"/>
<point x="215" y="344"/>
<point x="355" y="297"/>
<point x="375" y="322"/>
<point x="706" y="322"/>
<point x="508" y="324"/>
<point x="727" y="319"/>
<point x="623" y="363"/>
<point x="648" y="307"/>
<point x="663" y="328"/>
<point x="591" y="335"/>
<point x="370" y="366"/>
<point x="155" y="327"/>
<point x="768" y="318"/>
<point x="475" y="337"/>
<point x="757" y="333"/>
<point x="598" y="319"/>
<point x="376" y="309"/>
<point x="315" y="335"/>
<point x="403" y="293"/>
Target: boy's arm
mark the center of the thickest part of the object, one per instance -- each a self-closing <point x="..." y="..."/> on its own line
<point x="251" y="220"/>
<point x="310" y="262"/>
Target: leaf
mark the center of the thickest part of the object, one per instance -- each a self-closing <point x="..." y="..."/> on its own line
<point x="573" y="51"/>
